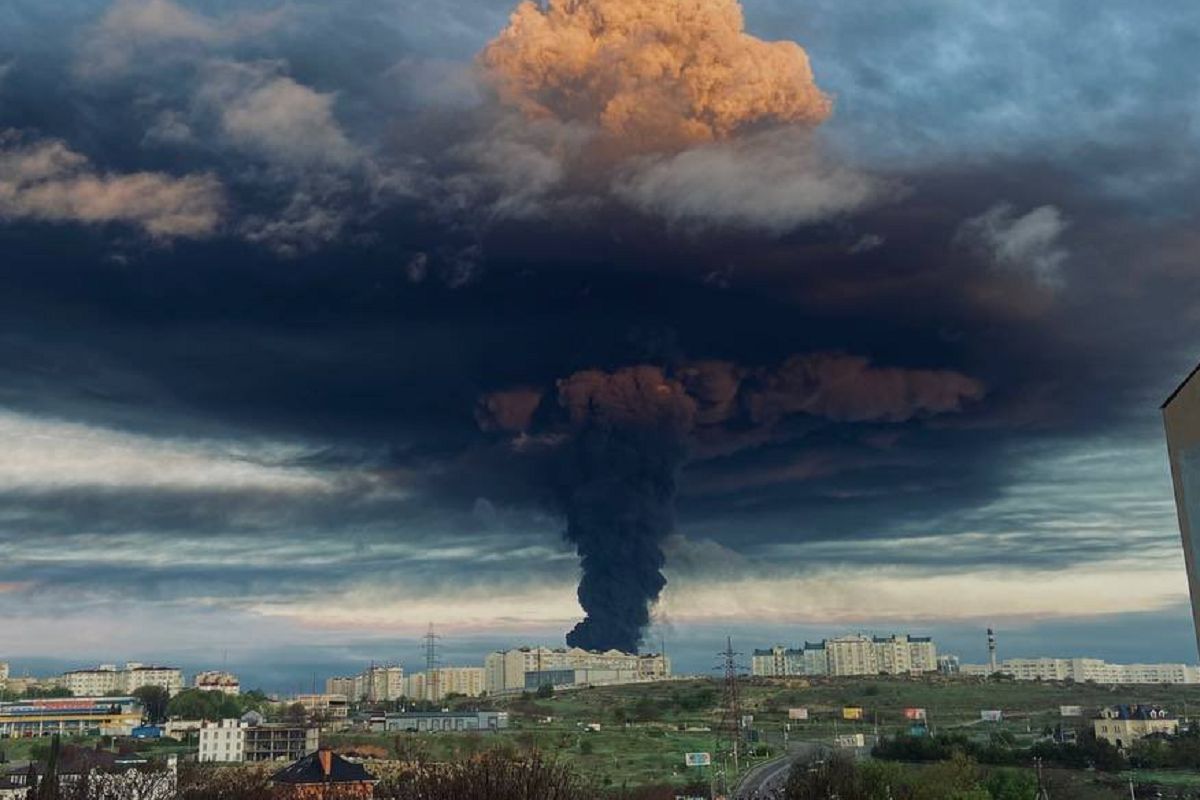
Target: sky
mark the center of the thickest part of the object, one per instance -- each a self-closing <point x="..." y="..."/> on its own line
<point x="320" y="323"/>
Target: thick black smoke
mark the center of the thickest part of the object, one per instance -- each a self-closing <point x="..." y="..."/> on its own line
<point x="621" y="438"/>
<point x="618" y="493"/>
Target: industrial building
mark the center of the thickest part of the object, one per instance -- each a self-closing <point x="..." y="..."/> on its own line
<point x="107" y="716"/>
<point x="248" y="739"/>
<point x="505" y="671"/>
<point x="107" y="679"/>
<point x="849" y="655"/>
<point x="435" y="721"/>
<point x="1181" y="417"/>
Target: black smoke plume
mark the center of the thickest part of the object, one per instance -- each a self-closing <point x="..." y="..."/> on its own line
<point x="619" y="440"/>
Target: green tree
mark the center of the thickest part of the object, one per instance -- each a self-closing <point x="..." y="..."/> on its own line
<point x="545" y="692"/>
<point x="155" y="699"/>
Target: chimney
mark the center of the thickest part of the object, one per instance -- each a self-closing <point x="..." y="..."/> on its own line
<point x="325" y="756"/>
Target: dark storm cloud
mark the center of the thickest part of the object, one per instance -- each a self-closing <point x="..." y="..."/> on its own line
<point x="390" y="253"/>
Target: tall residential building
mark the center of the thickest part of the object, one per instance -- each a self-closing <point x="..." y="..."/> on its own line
<point x="850" y="655"/>
<point x="505" y="671"/>
<point x="777" y="662"/>
<point x="3" y="673"/>
<point x="213" y="681"/>
<point x="435" y="685"/>
<point x="1181" y="416"/>
<point x="375" y="684"/>
<point x="107" y="678"/>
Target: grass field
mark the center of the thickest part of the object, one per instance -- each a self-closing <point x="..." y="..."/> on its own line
<point x="645" y="729"/>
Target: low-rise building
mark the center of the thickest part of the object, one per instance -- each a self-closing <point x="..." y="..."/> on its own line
<point x="234" y="740"/>
<point x="217" y="681"/>
<point x="433" y="721"/>
<point x="330" y="707"/>
<point x="1121" y="726"/>
<point x="323" y="775"/>
<point x="1083" y="670"/>
<point x="70" y="715"/>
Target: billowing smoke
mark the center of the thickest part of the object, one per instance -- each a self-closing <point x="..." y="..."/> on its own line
<point x="619" y="440"/>
<point x="652" y="74"/>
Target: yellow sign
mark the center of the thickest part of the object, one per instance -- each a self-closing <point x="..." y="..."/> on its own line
<point x="852" y="712"/>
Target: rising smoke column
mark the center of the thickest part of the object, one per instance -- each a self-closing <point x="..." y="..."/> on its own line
<point x="617" y="490"/>
<point x="619" y="440"/>
<point x="651" y="74"/>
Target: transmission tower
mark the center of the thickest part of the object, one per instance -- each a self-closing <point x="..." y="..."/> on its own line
<point x="729" y="733"/>
<point x="431" y="663"/>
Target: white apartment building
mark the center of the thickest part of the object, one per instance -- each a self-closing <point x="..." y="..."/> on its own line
<point x="223" y="741"/>
<point x="850" y="655"/>
<point x="504" y="671"/>
<point x="376" y="684"/>
<point x="107" y="678"/>
<point x="216" y="681"/>
<point x="435" y="685"/>
<point x="777" y="662"/>
<point x="1089" y="669"/>
<point x="232" y="740"/>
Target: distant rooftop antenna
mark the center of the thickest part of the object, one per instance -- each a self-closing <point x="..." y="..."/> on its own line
<point x="991" y="637"/>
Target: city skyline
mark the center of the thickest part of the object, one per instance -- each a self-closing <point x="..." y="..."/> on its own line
<point x="318" y="324"/>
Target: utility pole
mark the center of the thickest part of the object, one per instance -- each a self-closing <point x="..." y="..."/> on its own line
<point x="431" y="663"/>
<point x="729" y="733"/>
<point x="1042" y="792"/>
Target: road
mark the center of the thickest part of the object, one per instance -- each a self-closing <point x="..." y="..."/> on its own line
<point x="765" y="780"/>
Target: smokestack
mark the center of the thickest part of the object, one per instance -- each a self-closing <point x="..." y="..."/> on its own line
<point x="991" y="639"/>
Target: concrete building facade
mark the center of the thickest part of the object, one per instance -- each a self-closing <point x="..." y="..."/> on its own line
<point x="235" y="741"/>
<point x="1181" y="418"/>
<point x="376" y="684"/>
<point x="777" y="662"/>
<point x="433" y="721"/>
<point x="850" y="655"/>
<point x="504" y="671"/>
<point x="434" y="686"/>
<point x="107" y="678"/>
<point x="1083" y="670"/>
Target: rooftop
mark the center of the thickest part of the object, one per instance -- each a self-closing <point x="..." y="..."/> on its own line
<point x="323" y="766"/>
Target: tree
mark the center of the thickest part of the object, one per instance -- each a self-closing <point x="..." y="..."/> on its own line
<point x="155" y="699"/>
<point x="545" y="692"/>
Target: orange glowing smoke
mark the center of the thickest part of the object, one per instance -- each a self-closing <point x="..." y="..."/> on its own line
<point x="653" y="74"/>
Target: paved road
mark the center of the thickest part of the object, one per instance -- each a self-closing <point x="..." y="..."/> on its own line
<point x="765" y="780"/>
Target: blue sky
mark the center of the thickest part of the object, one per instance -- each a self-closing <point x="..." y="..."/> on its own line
<point x="279" y="279"/>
